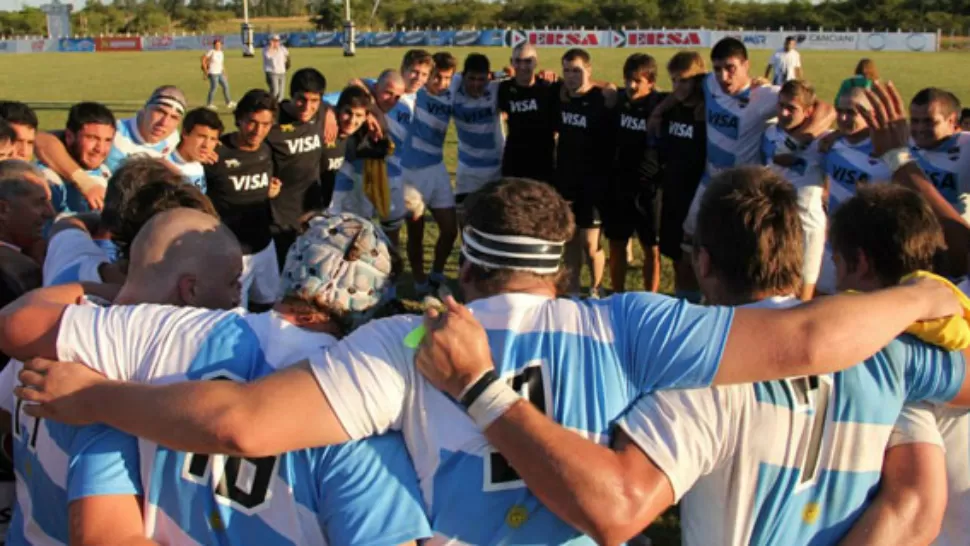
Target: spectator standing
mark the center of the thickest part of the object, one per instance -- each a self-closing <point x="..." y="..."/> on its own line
<point x="276" y="61"/>
<point x="214" y="70"/>
<point x="786" y="63"/>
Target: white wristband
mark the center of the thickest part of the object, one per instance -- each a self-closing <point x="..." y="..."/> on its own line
<point x="894" y="159"/>
<point x="492" y="403"/>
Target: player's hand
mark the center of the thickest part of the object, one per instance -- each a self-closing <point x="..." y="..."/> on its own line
<point x="887" y="121"/>
<point x="275" y="187"/>
<point x="330" y="127"/>
<point x="941" y="301"/>
<point x="54" y="390"/>
<point x="208" y="157"/>
<point x="547" y="75"/>
<point x="454" y="353"/>
<point x="826" y="142"/>
<point x="374" y="128"/>
<point x="90" y="187"/>
<point x="760" y="82"/>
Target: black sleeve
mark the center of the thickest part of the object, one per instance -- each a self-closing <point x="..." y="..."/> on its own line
<point x="503" y="96"/>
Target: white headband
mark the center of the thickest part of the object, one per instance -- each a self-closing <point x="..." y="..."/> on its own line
<point x="513" y="252"/>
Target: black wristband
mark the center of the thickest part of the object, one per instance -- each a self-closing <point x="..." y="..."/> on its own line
<point x="478" y="388"/>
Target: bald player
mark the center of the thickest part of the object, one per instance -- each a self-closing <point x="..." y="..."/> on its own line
<point x="152" y="132"/>
<point x="182" y="257"/>
<point x="528" y="104"/>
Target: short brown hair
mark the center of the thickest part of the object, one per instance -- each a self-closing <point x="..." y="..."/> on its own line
<point x="444" y="61"/>
<point x="892" y="226"/>
<point x="415" y="57"/>
<point x="688" y="62"/>
<point x="151" y="199"/>
<point x="867" y="68"/>
<point x="640" y="63"/>
<point x="800" y="90"/>
<point x="128" y="179"/>
<point x="748" y="223"/>
<point x="518" y="206"/>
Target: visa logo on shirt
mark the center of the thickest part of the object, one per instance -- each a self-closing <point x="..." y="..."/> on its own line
<point x="438" y="109"/>
<point x="681" y="130"/>
<point x="943" y="180"/>
<point x="725" y="121"/>
<point x="849" y="176"/>
<point x="519" y="106"/>
<point x="575" y="120"/>
<point x="249" y="182"/>
<point x="303" y="145"/>
<point x="633" y="123"/>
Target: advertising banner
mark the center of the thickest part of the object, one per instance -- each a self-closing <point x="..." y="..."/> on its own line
<point x="662" y="38"/>
<point x="560" y="38"/>
<point x="383" y="39"/>
<point x="898" y="41"/>
<point x="118" y="43"/>
<point x="76" y="45"/>
<point x="157" y="43"/>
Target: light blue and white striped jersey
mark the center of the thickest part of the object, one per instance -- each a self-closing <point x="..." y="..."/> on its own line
<point x="193" y="171"/>
<point x="128" y="141"/>
<point x="808" y="177"/>
<point x="736" y="123"/>
<point x="849" y="165"/>
<point x="65" y="197"/>
<point x="399" y="121"/>
<point x="429" y="126"/>
<point x="949" y="170"/>
<point x="357" y="493"/>
<point x="44" y="454"/>
<point x="481" y="138"/>
<point x="791" y="462"/>
<point x="73" y="256"/>
<point x="580" y="362"/>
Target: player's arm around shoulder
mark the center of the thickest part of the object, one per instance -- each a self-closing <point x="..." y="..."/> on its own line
<point x="29" y="326"/>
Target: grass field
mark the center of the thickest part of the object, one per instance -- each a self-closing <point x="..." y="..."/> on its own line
<point x="51" y="82"/>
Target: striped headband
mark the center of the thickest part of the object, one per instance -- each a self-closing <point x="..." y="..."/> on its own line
<point x="172" y="101"/>
<point x="511" y="252"/>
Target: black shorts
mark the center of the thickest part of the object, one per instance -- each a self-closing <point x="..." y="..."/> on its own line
<point x="675" y="204"/>
<point x="630" y="213"/>
<point x="586" y="200"/>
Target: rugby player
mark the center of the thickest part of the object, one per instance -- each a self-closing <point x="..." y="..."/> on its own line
<point x="7" y="138"/>
<point x="201" y="131"/>
<point x="94" y="247"/>
<point x="182" y="257"/>
<point x="683" y="147"/>
<point x="357" y="493"/>
<point x="352" y="109"/>
<point x="632" y="204"/>
<point x="23" y="119"/>
<point x="780" y="462"/>
<point x="586" y="132"/>
<point x="801" y="165"/>
<point x="938" y="143"/>
<point x="239" y="187"/>
<point x="153" y="132"/>
<point x="424" y="169"/>
<point x="88" y="138"/>
<point x="366" y="384"/>
<point x="528" y="104"/>
<point x="297" y="144"/>
<point x="478" y="123"/>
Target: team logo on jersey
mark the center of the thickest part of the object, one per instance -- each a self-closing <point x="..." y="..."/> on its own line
<point x="248" y="182"/>
<point x="681" y="130"/>
<point x="633" y="123"/>
<point x="287" y="128"/>
<point x="303" y="145"/>
<point x="516" y="516"/>
<point x="573" y="119"/>
<point x="811" y="513"/>
<point x="519" y="106"/>
<point x="334" y="163"/>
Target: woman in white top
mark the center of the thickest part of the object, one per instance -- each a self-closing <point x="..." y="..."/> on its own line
<point x="214" y="70"/>
<point x="276" y="60"/>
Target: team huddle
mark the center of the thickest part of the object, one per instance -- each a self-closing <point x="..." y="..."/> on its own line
<point x="204" y="347"/>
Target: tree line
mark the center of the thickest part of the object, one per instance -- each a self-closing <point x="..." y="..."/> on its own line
<point x="156" y="16"/>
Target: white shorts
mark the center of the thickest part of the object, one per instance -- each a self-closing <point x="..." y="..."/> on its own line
<point x="260" y="277"/>
<point x="434" y="185"/>
<point x="355" y="202"/>
<point x="469" y="180"/>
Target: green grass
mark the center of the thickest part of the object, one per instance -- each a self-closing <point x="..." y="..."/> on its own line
<point x="51" y="82"/>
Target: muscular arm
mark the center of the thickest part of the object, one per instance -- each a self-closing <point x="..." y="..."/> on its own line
<point x="911" y="501"/>
<point x="52" y="152"/>
<point x="955" y="229"/>
<point x="256" y="419"/>
<point x="823" y="336"/>
<point x="609" y="495"/>
<point x="102" y="520"/>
